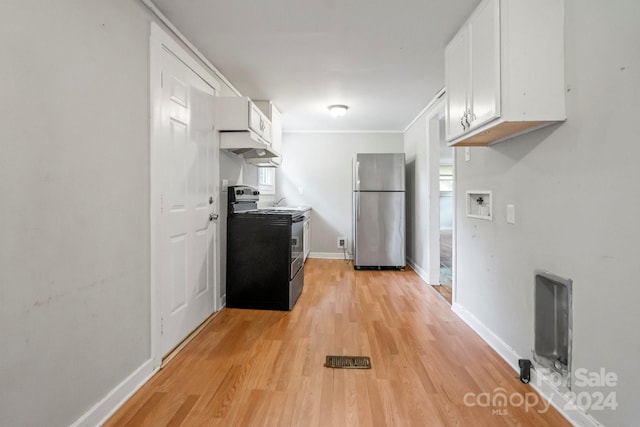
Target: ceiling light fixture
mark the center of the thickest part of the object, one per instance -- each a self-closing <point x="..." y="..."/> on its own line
<point x="338" y="110"/>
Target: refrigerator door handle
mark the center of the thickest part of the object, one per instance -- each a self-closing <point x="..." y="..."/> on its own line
<point x="358" y="177"/>
<point x="358" y="204"/>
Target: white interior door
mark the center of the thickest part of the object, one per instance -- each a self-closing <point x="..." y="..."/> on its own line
<point x="186" y="175"/>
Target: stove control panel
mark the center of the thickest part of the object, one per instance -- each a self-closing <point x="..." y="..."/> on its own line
<point x="243" y="193"/>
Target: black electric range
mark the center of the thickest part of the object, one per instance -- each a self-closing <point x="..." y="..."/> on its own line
<point x="265" y="253"/>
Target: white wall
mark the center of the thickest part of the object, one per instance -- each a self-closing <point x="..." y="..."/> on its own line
<point x="576" y="190"/>
<point x="321" y="163"/>
<point x="74" y="184"/>
<point x="74" y="170"/>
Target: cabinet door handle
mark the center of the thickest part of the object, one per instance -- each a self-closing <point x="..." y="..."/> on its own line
<point x="466" y="118"/>
<point x="462" y="121"/>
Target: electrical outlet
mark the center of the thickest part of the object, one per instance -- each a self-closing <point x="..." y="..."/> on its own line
<point x="342" y="242"/>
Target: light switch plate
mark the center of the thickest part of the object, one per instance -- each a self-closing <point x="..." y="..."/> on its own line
<point x="467" y="154"/>
<point x="511" y="214"/>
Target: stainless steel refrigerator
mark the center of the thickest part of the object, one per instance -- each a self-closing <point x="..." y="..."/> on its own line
<point x="379" y="210"/>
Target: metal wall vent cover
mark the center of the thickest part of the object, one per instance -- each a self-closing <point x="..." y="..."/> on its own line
<point x="553" y="323"/>
<point x="348" y="362"/>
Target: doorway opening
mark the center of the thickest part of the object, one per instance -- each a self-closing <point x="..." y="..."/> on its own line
<point x="446" y="231"/>
<point x="446" y="189"/>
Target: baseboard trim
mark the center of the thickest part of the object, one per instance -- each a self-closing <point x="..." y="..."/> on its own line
<point x="188" y="339"/>
<point x="423" y="273"/>
<point x="540" y="382"/>
<point x="419" y="271"/>
<point x="328" y="255"/>
<point x="105" y="408"/>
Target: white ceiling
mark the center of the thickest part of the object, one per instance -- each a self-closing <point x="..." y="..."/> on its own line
<point x="382" y="58"/>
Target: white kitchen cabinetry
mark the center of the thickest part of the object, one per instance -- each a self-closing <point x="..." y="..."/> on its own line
<point x="273" y="114"/>
<point x="306" y="237"/>
<point x="239" y="113"/>
<point x="504" y="71"/>
<point x="473" y="72"/>
<point x="259" y="123"/>
<point x="456" y="60"/>
<point x="244" y="129"/>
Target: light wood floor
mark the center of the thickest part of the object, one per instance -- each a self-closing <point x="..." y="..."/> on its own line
<point x="446" y="292"/>
<point x="444" y="288"/>
<point x="446" y="248"/>
<point x="265" y="368"/>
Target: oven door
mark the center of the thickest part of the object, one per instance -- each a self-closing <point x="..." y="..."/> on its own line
<point x="297" y="245"/>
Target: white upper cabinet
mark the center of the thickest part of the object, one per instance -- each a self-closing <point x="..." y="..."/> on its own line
<point x="484" y="42"/>
<point x="504" y="71"/>
<point x="473" y="72"/>
<point x="276" y="128"/>
<point x="456" y="61"/>
<point x="244" y="129"/>
<point x="259" y="123"/>
<point x="272" y="113"/>
<point x="239" y="113"/>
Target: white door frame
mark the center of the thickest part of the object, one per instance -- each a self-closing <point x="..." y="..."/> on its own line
<point x="433" y="176"/>
<point x="434" y="134"/>
<point x="159" y="41"/>
<point x="454" y="233"/>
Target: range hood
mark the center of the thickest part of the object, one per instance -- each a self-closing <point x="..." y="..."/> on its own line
<point x="265" y="162"/>
<point x="246" y="143"/>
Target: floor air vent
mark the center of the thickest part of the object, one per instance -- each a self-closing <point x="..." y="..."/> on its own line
<point x="348" y="362"/>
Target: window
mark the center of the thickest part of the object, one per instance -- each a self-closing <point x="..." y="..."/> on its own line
<point x="446" y="178"/>
<point x="267" y="180"/>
